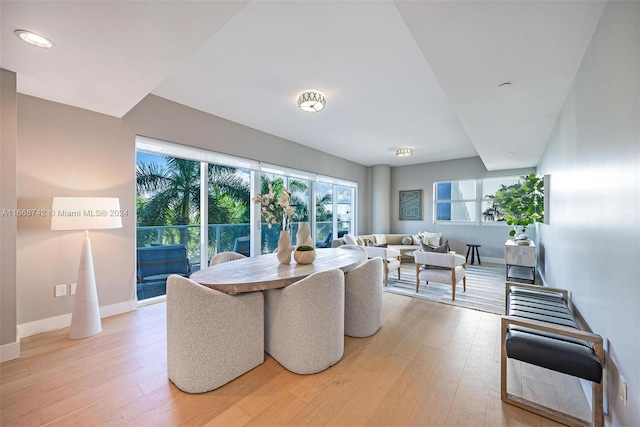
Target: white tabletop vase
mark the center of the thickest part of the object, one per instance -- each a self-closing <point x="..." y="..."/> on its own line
<point x="303" y="236"/>
<point x="284" y="248"/>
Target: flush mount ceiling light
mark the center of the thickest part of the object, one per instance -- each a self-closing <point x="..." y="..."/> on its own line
<point x="311" y="101"/>
<point x="34" y="39"/>
<point x="404" y="152"/>
<point x="504" y="85"/>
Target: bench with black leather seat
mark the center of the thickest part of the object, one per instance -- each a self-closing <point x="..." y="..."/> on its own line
<point x="540" y="328"/>
<point x="155" y="264"/>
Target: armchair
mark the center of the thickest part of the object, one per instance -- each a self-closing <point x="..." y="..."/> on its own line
<point x="441" y="268"/>
<point x="391" y="258"/>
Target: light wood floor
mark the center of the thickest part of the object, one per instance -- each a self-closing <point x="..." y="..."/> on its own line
<point x="430" y="364"/>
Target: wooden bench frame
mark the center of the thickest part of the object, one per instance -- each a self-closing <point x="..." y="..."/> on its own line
<point x="595" y="339"/>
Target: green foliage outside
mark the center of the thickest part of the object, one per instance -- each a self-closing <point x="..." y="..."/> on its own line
<point x="520" y="204"/>
<point x="168" y="197"/>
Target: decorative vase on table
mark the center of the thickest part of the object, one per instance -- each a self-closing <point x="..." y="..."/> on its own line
<point x="304" y="255"/>
<point x="284" y="248"/>
<point x="303" y="236"/>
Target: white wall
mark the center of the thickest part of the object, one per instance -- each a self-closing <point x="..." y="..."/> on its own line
<point x="592" y="244"/>
<point x="422" y="177"/>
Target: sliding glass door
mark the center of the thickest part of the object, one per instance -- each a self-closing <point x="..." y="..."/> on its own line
<point x="180" y="189"/>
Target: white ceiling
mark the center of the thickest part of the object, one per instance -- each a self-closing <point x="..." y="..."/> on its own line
<point x="419" y="74"/>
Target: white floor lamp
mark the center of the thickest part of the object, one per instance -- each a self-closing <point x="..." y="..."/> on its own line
<point x="85" y="213"/>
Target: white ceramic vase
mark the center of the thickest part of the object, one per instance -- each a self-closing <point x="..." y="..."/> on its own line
<point x="284" y="248"/>
<point x="303" y="236"/>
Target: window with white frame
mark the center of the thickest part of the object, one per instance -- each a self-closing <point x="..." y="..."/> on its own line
<point x="456" y="201"/>
<point x="468" y="201"/>
<point x="234" y="223"/>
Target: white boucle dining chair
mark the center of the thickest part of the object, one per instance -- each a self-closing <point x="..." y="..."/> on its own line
<point x="212" y="337"/>
<point x="221" y="257"/>
<point x="363" y="299"/>
<point x="304" y="322"/>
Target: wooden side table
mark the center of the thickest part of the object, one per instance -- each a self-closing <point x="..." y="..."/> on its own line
<point x="520" y="261"/>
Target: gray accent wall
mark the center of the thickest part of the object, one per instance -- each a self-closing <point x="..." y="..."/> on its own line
<point x="380" y="206"/>
<point x="8" y="201"/>
<point x="591" y="245"/>
<point x="422" y="176"/>
<point x="67" y="151"/>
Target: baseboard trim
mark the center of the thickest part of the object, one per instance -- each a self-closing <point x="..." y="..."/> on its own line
<point x="10" y="351"/>
<point x="63" y="321"/>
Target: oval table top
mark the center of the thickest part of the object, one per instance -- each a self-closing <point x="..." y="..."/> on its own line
<point x="265" y="272"/>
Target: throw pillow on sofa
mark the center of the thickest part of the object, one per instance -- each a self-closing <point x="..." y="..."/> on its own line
<point x="407" y="240"/>
<point x="380" y="239"/>
<point x="349" y="239"/>
<point x="438" y="249"/>
<point x="442" y="249"/>
<point x="431" y="239"/>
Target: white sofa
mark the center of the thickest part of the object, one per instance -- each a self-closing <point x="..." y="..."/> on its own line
<point x="394" y="241"/>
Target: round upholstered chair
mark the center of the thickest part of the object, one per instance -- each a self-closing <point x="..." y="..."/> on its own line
<point x="363" y="299"/>
<point x="212" y="337"/>
<point x="225" y="257"/>
<point x="304" y="322"/>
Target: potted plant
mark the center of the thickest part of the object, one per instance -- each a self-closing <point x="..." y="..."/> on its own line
<point x="520" y="205"/>
<point x="304" y="254"/>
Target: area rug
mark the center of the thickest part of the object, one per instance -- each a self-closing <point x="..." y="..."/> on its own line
<point x="485" y="288"/>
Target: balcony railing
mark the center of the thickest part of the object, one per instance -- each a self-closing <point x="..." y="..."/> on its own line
<point x="222" y="238"/>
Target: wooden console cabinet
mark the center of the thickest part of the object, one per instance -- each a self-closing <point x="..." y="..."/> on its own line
<point x="520" y="261"/>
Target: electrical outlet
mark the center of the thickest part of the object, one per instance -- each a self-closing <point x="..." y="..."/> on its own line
<point x="60" y="290"/>
<point x="622" y="390"/>
<point x="72" y="289"/>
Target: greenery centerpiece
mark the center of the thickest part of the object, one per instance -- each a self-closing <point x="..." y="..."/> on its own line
<point x="519" y="205"/>
<point x="304" y="254"/>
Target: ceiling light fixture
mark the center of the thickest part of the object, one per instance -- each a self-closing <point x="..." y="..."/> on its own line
<point x="311" y="101"/>
<point x="504" y="85"/>
<point x="404" y="152"/>
<point x="34" y="39"/>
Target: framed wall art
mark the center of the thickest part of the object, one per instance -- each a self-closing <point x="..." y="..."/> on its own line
<point x="411" y="205"/>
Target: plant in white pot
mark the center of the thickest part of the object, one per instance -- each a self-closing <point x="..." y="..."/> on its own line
<point x="520" y="205"/>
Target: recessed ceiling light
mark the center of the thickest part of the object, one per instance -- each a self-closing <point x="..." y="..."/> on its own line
<point x="311" y="101"/>
<point x="34" y="39"/>
<point x="504" y="85"/>
<point x="510" y="153"/>
<point x="404" y="152"/>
